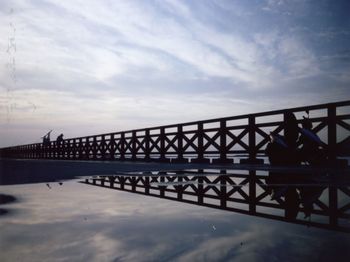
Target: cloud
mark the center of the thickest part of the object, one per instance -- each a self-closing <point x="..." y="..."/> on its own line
<point x="190" y="44"/>
<point x="112" y="42"/>
<point x="158" y="53"/>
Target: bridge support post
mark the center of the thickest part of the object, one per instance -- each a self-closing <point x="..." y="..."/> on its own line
<point x="147" y="145"/>
<point x="147" y="185"/>
<point x="134" y="145"/>
<point x="81" y="150"/>
<point x="73" y="147"/>
<point x="94" y="150"/>
<point x="332" y="133"/>
<point x="251" y="144"/>
<point x="332" y="137"/>
<point x="223" y="146"/>
<point x="102" y="147"/>
<point x="162" y="146"/>
<point x="200" y="146"/>
<point x="180" y="152"/>
<point x="122" y="146"/>
<point x="112" y="147"/>
<point x="161" y="187"/>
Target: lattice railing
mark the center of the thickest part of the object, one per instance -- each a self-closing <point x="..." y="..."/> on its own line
<point x="216" y="140"/>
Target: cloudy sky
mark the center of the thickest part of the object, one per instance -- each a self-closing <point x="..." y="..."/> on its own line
<point x="89" y="67"/>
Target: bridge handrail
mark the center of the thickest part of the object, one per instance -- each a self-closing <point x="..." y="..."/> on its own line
<point x="199" y="130"/>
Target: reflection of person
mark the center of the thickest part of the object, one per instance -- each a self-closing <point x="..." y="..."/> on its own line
<point x="280" y="188"/>
<point x="312" y="153"/>
<point x="295" y="191"/>
<point x="282" y="150"/>
<point x="308" y="196"/>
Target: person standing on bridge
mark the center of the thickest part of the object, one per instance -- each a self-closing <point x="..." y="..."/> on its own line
<point x="312" y="151"/>
<point x="46" y="139"/>
<point x="59" y="139"/>
<point x="282" y="150"/>
<point x="291" y="130"/>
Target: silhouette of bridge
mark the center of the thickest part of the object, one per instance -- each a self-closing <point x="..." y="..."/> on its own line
<point x="198" y="151"/>
<point x="219" y="140"/>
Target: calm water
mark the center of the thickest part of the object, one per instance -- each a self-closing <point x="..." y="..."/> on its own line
<point x="80" y="222"/>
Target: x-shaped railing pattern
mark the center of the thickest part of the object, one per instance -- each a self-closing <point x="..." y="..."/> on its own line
<point x="233" y="189"/>
<point x="203" y="140"/>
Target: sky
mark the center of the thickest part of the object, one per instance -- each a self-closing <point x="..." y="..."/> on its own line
<point x="91" y="67"/>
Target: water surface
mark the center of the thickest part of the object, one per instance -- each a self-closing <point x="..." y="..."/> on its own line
<point x="79" y="222"/>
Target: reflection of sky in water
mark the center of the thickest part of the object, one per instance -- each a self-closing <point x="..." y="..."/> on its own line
<point x="77" y="222"/>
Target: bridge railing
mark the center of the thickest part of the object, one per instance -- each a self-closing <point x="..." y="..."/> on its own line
<point x="219" y="140"/>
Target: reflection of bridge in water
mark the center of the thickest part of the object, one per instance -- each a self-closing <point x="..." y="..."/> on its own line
<point x="203" y="144"/>
<point x="321" y="201"/>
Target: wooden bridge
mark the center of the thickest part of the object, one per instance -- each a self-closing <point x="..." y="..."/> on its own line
<point x="222" y="140"/>
<point x="189" y="164"/>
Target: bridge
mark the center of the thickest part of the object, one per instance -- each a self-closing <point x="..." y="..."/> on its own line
<point x="240" y="138"/>
<point x="218" y="163"/>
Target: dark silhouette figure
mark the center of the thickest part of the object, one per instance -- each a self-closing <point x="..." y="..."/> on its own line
<point x="277" y="150"/>
<point x="308" y="196"/>
<point x="296" y="191"/>
<point x="311" y="151"/>
<point x="291" y="134"/>
<point x="46" y="139"/>
<point x="280" y="188"/>
<point x="291" y="130"/>
<point x="59" y="139"/>
<point x="282" y="150"/>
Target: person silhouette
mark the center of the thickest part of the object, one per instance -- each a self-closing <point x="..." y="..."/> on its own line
<point x="311" y="151"/>
<point x="291" y="134"/>
<point x="280" y="186"/>
<point x="282" y="150"/>
<point x="46" y="139"/>
<point x="291" y="130"/>
<point x="59" y="139"/>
